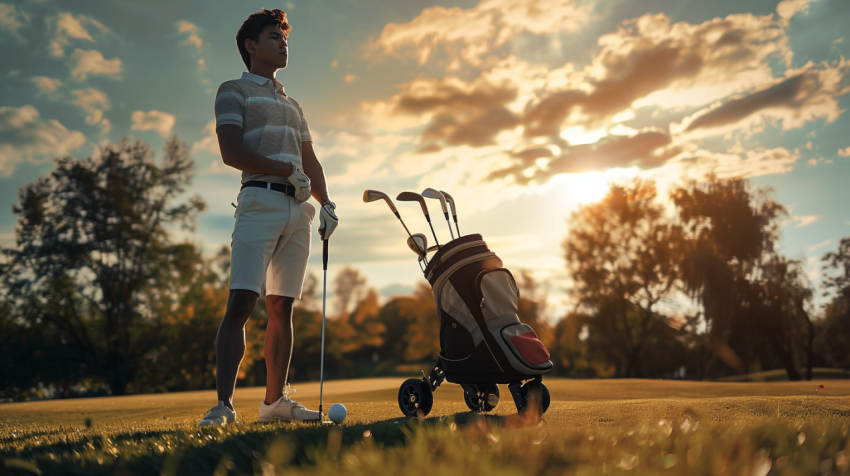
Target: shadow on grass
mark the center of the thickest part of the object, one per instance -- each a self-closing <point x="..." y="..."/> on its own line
<point x="242" y="448"/>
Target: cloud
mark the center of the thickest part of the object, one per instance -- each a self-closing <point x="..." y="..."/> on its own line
<point x="194" y="34"/>
<point x="649" y="61"/>
<point x="69" y="27"/>
<point x="202" y="64"/>
<point x="460" y="112"/>
<point x="12" y="20"/>
<point x="812" y="248"/>
<point x="736" y="162"/>
<point x="845" y="152"/>
<point x="349" y="78"/>
<point x="788" y="8"/>
<point x="470" y="34"/>
<point x="93" y="102"/>
<point x="648" y="148"/>
<point x="92" y="62"/>
<point x="805" y="220"/>
<point x="47" y="86"/>
<point x="805" y="94"/>
<point x="530" y="123"/>
<point x="158" y="121"/>
<point x="25" y="135"/>
<point x="209" y="143"/>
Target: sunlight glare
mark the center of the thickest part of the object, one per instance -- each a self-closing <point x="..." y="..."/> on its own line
<point x="588" y="187"/>
<point x="577" y="135"/>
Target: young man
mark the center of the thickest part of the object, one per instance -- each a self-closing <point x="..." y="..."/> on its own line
<point x="262" y="132"/>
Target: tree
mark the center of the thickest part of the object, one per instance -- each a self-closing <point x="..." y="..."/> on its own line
<point x="349" y="287"/>
<point x="412" y="327"/>
<point x="532" y="305"/>
<point x="622" y="254"/>
<point x="749" y="293"/>
<point x="91" y="237"/>
<point x="835" y="326"/>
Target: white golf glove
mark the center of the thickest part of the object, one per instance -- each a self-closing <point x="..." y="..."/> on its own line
<point x="328" y="220"/>
<point x="301" y="182"/>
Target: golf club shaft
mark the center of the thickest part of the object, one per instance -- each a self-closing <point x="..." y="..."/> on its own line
<point x="324" y="295"/>
<point x="450" y="225"/>
<point x="398" y="215"/>
<point x="432" y="231"/>
<point x="458" y="228"/>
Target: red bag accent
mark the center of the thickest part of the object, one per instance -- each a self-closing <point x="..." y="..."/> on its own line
<point x="530" y="348"/>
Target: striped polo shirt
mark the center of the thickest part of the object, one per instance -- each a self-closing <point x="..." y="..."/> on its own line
<point x="272" y="123"/>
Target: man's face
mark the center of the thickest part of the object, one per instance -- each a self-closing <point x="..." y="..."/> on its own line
<point x="271" y="48"/>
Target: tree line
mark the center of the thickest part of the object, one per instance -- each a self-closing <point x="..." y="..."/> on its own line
<point x="98" y="298"/>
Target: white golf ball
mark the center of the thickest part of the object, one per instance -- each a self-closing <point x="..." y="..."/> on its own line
<point x="337" y="413"/>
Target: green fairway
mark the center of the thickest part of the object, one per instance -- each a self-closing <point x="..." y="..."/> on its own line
<point x="592" y="426"/>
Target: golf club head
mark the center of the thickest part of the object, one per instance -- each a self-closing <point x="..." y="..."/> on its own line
<point x="413" y="197"/>
<point x="432" y="193"/>
<point x="451" y="202"/>
<point x="434" y="248"/>
<point x="372" y="195"/>
<point x="418" y="243"/>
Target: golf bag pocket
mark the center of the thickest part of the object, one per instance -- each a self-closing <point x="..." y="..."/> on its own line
<point x="525" y="346"/>
<point x="455" y="341"/>
<point x="498" y="297"/>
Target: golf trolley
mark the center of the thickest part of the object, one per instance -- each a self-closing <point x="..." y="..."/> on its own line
<point x="482" y="341"/>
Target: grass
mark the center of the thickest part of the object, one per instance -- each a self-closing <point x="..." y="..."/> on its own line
<point x="592" y="427"/>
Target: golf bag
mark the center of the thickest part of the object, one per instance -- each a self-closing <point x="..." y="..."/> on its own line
<point x="483" y="343"/>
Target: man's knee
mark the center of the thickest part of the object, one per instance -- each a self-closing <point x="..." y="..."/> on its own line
<point x="240" y="304"/>
<point x="280" y="307"/>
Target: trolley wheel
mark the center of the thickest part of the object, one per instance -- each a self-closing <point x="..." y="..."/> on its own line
<point x="544" y="396"/>
<point x="415" y="395"/>
<point x="486" y="399"/>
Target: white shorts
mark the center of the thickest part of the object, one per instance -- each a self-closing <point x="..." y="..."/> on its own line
<point x="270" y="243"/>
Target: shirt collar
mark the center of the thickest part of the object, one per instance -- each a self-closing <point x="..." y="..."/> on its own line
<point x="261" y="80"/>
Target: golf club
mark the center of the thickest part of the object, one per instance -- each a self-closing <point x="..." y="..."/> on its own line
<point x="324" y="296"/>
<point x="419" y="244"/>
<point x="432" y="193"/>
<point x="451" y="201"/>
<point x="372" y="195"/>
<point x="415" y="197"/>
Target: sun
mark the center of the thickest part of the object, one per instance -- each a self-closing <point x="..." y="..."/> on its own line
<point x="587" y="187"/>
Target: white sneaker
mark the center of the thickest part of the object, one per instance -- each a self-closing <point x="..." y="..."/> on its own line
<point x="284" y="409"/>
<point x="218" y="415"/>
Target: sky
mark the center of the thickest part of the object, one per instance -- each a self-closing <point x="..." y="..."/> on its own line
<point x="522" y="110"/>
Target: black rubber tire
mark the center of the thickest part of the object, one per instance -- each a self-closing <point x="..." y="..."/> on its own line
<point x="487" y="389"/>
<point x="415" y="395"/>
<point x="545" y="397"/>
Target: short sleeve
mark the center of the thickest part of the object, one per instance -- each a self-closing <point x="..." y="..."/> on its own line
<point x="305" y="130"/>
<point x="229" y="105"/>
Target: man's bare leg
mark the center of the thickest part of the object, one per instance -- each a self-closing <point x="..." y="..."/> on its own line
<point x="278" y="345"/>
<point x="230" y="342"/>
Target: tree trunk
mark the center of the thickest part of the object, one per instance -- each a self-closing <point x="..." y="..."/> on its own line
<point x="810" y="352"/>
<point x="787" y="361"/>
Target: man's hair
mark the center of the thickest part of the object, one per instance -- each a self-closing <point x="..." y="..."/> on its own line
<point x="253" y="26"/>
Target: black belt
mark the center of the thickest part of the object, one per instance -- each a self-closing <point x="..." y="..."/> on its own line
<point x="277" y="187"/>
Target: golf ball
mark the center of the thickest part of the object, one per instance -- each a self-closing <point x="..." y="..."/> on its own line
<point x="337" y="413"/>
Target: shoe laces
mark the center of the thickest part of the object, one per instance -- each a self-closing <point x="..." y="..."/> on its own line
<point x="211" y="410"/>
<point x="287" y="393"/>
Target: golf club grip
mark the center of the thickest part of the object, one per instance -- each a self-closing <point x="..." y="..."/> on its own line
<point x="325" y="254"/>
